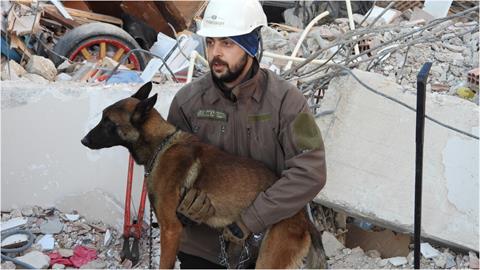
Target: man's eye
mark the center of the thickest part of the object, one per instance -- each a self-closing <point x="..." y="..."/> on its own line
<point x="227" y="43"/>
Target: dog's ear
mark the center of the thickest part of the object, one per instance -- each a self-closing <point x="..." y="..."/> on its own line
<point x="142" y="110"/>
<point x="143" y="92"/>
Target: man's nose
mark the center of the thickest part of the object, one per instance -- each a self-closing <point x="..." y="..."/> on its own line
<point x="216" y="50"/>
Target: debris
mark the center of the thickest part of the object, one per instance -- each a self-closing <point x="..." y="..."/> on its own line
<point x="428" y="251"/>
<point x="47" y="242"/>
<point x="107" y="239"/>
<point x="13" y="223"/>
<point x="63" y="77"/>
<point x="51" y="226"/>
<point x="473" y="260"/>
<point x="58" y="266"/>
<point x="331" y="244"/>
<point x="72" y="217"/>
<point x="386" y="242"/>
<point x="95" y="264"/>
<point x="438" y="9"/>
<point x="16" y="70"/>
<point x="398" y="261"/>
<point x="440" y="261"/>
<point x="473" y="77"/>
<point x="27" y="211"/>
<point x="36" y="259"/>
<point x="386" y="18"/>
<point x="66" y="253"/>
<point x="465" y="92"/>
<point x="42" y="66"/>
<point x="8" y="265"/>
<point x="373" y="253"/>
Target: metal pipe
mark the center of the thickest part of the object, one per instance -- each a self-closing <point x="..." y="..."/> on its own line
<point x="293" y="59"/>
<point x="304" y="35"/>
<point x="352" y="24"/>
<point x="419" y="138"/>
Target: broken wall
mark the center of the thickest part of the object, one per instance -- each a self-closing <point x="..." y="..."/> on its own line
<point x="370" y="152"/>
<point x="43" y="161"/>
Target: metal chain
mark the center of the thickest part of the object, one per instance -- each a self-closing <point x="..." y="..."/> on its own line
<point x="244" y="255"/>
<point x="223" y="252"/>
<point x="150" y="244"/>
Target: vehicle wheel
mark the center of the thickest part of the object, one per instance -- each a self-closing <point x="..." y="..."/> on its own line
<point x="94" y="41"/>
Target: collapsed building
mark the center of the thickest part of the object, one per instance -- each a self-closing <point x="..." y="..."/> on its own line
<point x="72" y="199"/>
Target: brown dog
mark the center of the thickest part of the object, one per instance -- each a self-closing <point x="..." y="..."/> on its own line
<point x="174" y="159"/>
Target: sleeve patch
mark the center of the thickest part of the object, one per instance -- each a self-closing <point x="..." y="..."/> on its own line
<point x="306" y="132"/>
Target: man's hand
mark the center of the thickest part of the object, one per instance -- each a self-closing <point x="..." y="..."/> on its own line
<point x="236" y="232"/>
<point x="194" y="208"/>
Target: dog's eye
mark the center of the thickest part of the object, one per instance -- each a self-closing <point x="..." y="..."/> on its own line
<point x="109" y="124"/>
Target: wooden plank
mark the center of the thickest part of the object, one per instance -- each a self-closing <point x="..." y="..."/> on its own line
<point x="16" y="43"/>
<point x="52" y="13"/>
<point x="81" y="15"/>
<point x="148" y="12"/>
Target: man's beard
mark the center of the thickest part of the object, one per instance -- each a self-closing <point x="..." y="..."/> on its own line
<point x="232" y="73"/>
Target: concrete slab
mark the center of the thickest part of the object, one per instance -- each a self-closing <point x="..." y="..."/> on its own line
<point x="43" y="162"/>
<point x="370" y="150"/>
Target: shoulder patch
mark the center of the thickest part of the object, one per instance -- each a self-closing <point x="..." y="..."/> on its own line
<point x="306" y="132"/>
<point x="212" y="114"/>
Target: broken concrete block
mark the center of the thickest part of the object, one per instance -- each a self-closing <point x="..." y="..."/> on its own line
<point x="58" y="266"/>
<point x="13" y="223"/>
<point x="52" y="226"/>
<point x="398" y="261"/>
<point x="42" y="66"/>
<point x="65" y="252"/>
<point x="47" y="242"/>
<point x="72" y="217"/>
<point x="95" y="264"/>
<point x="8" y="265"/>
<point x="428" y="251"/>
<point x="36" y="259"/>
<point x="390" y="144"/>
<point x="473" y="260"/>
<point x="373" y="253"/>
<point x="331" y="245"/>
<point x="16" y="70"/>
<point x="63" y="77"/>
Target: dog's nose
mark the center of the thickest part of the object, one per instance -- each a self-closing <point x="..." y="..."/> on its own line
<point x="85" y="141"/>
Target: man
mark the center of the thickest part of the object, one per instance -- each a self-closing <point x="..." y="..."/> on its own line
<point x="247" y="111"/>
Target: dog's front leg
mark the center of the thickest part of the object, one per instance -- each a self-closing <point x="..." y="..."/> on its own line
<point x="169" y="243"/>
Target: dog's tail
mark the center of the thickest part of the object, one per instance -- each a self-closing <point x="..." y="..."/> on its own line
<point x="316" y="258"/>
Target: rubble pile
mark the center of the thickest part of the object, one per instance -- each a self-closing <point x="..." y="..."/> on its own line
<point x="443" y="258"/>
<point x="397" y="49"/>
<point x="69" y="240"/>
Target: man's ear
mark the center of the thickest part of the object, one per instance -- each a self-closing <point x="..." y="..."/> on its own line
<point x="143" y="92"/>
<point x="142" y="110"/>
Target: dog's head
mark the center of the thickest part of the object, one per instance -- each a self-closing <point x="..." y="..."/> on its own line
<point x="121" y="122"/>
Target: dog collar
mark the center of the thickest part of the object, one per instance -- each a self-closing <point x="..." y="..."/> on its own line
<point x="160" y="148"/>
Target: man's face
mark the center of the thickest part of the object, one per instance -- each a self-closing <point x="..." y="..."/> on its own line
<point x="227" y="60"/>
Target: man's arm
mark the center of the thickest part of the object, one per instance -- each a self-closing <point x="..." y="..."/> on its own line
<point x="305" y="169"/>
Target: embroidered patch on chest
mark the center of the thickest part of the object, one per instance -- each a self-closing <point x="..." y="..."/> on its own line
<point x="260" y="117"/>
<point x="213" y="115"/>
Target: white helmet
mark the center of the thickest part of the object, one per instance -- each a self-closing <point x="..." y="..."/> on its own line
<point x="226" y="18"/>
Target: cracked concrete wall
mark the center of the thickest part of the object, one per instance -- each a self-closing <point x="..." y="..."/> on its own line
<point x="43" y="161"/>
<point x="370" y="150"/>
